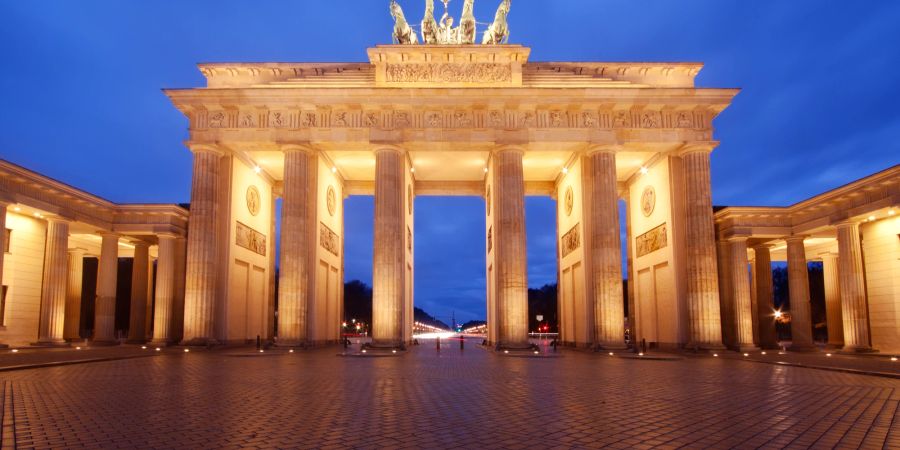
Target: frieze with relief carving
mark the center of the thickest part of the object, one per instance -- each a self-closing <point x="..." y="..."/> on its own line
<point x="448" y="73"/>
<point x="651" y="241"/>
<point x="571" y="241"/>
<point x="250" y="239"/>
<point x="329" y="240"/>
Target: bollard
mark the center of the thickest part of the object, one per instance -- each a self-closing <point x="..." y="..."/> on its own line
<point x="643" y="345"/>
<point x="438" y="344"/>
<point x="346" y="342"/>
<point x="462" y="343"/>
<point x="257" y="342"/>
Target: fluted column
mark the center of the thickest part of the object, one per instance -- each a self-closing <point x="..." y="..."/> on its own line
<point x="854" y="304"/>
<point x="765" y="299"/>
<point x="105" y="305"/>
<point x="53" y="288"/>
<point x="510" y="250"/>
<point x="606" y="251"/>
<point x="202" y="248"/>
<point x="177" y="321"/>
<point x="798" y="284"/>
<point x="297" y="225"/>
<point x="833" y="313"/>
<point x="3" y="206"/>
<point x="72" y="327"/>
<point x="165" y="290"/>
<point x="754" y="311"/>
<point x="705" y="327"/>
<point x="740" y="295"/>
<point x="726" y="303"/>
<point x="139" y="281"/>
<point x="387" y="267"/>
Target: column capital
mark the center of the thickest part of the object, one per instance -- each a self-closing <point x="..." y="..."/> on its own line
<point x="847" y="223"/>
<point x="304" y="147"/>
<point x="77" y="250"/>
<point x="205" y="148"/>
<point x="508" y="149"/>
<point x="139" y="243"/>
<point x="167" y="235"/>
<point x="390" y="148"/>
<point x="798" y="238"/>
<point x="733" y="239"/>
<point x="602" y="148"/>
<point x="765" y="246"/>
<point x="697" y="147"/>
<point x="107" y="234"/>
<point x="829" y="255"/>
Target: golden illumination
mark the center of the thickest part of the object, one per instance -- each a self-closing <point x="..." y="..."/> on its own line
<point x="644" y="170"/>
<point x="257" y="169"/>
<point x="565" y="170"/>
<point x="871" y="218"/>
<point x="17" y="209"/>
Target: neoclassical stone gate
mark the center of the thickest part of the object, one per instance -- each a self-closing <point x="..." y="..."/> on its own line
<point x="452" y="120"/>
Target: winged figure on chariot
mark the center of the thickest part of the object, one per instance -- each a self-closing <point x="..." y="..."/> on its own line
<point x="443" y="32"/>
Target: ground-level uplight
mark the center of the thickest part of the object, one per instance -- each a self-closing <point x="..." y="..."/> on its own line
<point x="15" y="350"/>
<point x="763" y="353"/>
<point x="893" y="358"/>
<point x="746" y="354"/>
<point x="158" y="349"/>
<point x="291" y="351"/>
<point x="78" y="348"/>
<point x="393" y="351"/>
<point x="262" y="351"/>
<point x="505" y="351"/>
<point x="143" y="347"/>
<point x="828" y="354"/>
<point x="187" y="350"/>
<point x="610" y="353"/>
<point x="641" y="354"/>
<point x="715" y="355"/>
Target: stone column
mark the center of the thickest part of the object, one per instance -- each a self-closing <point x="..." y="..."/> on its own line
<point x="854" y="304"/>
<point x="705" y="327"/>
<point x="754" y="310"/>
<point x="606" y="251"/>
<point x="72" y="327"/>
<point x="765" y="299"/>
<point x="53" y="289"/>
<point x="105" y="305"/>
<point x="137" y="333"/>
<point x="387" y="267"/>
<point x="3" y="206"/>
<point x="740" y="295"/>
<point x="833" y="312"/>
<point x="165" y="290"/>
<point x="726" y="302"/>
<point x="297" y="225"/>
<point x="177" y="320"/>
<point x="798" y="284"/>
<point x="202" y="248"/>
<point x="510" y="250"/>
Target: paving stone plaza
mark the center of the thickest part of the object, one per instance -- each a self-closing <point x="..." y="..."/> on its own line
<point x="472" y="398"/>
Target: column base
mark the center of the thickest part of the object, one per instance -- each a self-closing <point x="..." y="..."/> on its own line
<point x="136" y="341"/>
<point x="161" y="343"/>
<point x="746" y="348"/>
<point x="834" y="346"/>
<point x="607" y="346"/>
<point x="200" y="342"/>
<point x="705" y="347"/>
<point x="50" y="344"/>
<point x="802" y="348"/>
<point x="104" y="343"/>
<point x="855" y="350"/>
<point x="292" y="344"/>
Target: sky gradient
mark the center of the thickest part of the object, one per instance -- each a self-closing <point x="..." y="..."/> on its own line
<point x="82" y="101"/>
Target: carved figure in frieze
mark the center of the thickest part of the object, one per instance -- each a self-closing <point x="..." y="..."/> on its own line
<point x="649" y="120"/>
<point x="340" y="119"/>
<point x="403" y="33"/>
<point x="430" y="30"/>
<point x="434" y="119"/>
<point x="622" y="120"/>
<point x="589" y="119"/>
<point x="498" y="32"/>
<point x="370" y="119"/>
<point x="247" y="121"/>
<point x="555" y="119"/>
<point x="528" y="119"/>
<point x="278" y="120"/>
<point x="496" y="118"/>
<point x="217" y="120"/>
<point x="309" y="120"/>
<point x="401" y="119"/>
<point x="462" y="119"/>
<point x="467" y="32"/>
<point x="684" y="120"/>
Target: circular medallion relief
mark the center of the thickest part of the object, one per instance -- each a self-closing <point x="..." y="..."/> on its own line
<point x="648" y="201"/>
<point x="409" y="199"/>
<point x="330" y="200"/>
<point x="570" y="200"/>
<point x="253" y="200"/>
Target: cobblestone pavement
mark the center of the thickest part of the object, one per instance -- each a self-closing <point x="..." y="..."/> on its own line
<point x="462" y="399"/>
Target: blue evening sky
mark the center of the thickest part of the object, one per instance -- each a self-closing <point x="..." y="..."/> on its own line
<point x="81" y="98"/>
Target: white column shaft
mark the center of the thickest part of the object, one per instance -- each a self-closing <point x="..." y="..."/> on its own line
<point x="740" y="295"/>
<point x="165" y="291"/>
<point x="798" y="284"/>
<point x="72" y="327"/>
<point x="509" y="241"/>
<point x="387" y="267"/>
<point x="833" y="313"/>
<point x="606" y="252"/>
<point x="854" y="307"/>
<point x="105" y="304"/>
<point x="53" y="292"/>
<point x="705" y="327"/>
<point x="765" y="301"/>
<point x="202" y="250"/>
<point x="139" y="281"/>
<point x="297" y="225"/>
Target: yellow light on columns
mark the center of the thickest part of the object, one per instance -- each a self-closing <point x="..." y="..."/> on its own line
<point x="333" y="169"/>
<point x="412" y="170"/>
<point x="565" y="170"/>
<point x="871" y="218"/>
<point x="257" y="169"/>
<point x="644" y="170"/>
<point x="890" y="211"/>
<point x="17" y="209"/>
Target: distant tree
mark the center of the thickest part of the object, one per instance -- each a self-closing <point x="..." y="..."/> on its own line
<point x="782" y="297"/>
<point x="543" y="301"/>
<point x="421" y="316"/>
<point x="473" y="323"/>
<point x="357" y="301"/>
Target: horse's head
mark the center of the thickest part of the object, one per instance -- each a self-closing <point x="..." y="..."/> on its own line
<point x="396" y="10"/>
<point x="469" y="7"/>
<point x="429" y="7"/>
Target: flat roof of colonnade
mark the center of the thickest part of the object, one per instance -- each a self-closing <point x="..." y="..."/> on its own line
<point x="440" y="101"/>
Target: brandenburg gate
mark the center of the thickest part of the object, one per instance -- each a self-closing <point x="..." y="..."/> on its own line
<point x="464" y="119"/>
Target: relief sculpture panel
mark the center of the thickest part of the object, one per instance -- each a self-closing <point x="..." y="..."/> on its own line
<point x="250" y="239"/>
<point x="651" y="241"/>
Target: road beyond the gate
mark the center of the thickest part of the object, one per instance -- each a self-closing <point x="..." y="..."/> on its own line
<point x="455" y="398"/>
